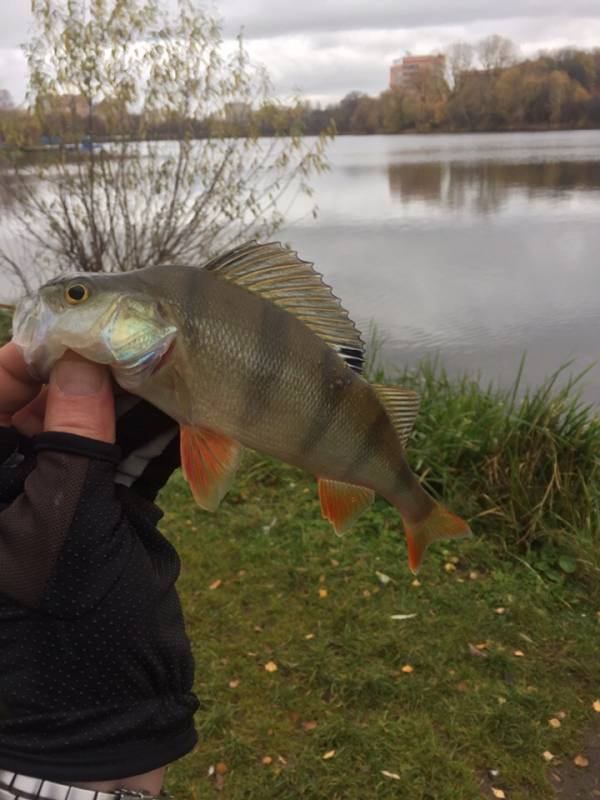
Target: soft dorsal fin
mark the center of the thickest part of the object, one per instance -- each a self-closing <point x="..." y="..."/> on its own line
<point x="402" y="406"/>
<point x="278" y="275"/>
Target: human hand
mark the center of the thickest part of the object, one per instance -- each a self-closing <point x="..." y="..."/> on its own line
<point x="87" y="582"/>
<point x="78" y="398"/>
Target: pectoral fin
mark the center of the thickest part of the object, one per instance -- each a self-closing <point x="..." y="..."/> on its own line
<point x="341" y="503"/>
<point x="209" y="461"/>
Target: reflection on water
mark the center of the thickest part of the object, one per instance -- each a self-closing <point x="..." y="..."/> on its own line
<point x="486" y="186"/>
<point x="476" y="247"/>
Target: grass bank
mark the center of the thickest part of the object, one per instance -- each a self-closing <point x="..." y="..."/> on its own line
<point x="324" y="670"/>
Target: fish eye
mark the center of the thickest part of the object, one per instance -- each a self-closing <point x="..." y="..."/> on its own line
<point x="76" y="293"/>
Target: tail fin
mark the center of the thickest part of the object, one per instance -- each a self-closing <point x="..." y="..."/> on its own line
<point x="438" y="524"/>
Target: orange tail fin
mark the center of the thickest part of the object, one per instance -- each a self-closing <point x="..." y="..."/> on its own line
<point x="439" y="524"/>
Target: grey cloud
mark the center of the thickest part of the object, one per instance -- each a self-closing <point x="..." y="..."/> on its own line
<point x="271" y="17"/>
<point x="326" y="48"/>
<point x="16" y="19"/>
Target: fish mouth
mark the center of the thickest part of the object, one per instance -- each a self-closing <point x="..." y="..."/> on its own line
<point x="32" y="321"/>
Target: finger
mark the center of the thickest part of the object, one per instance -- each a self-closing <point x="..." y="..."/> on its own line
<point x="80" y="399"/>
<point x="30" y="420"/>
<point x="17" y="387"/>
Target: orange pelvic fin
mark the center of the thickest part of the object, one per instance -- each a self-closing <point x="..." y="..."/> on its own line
<point x="439" y="524"/>
<point x="341" y="503"/>
<point x="209" y="461"/>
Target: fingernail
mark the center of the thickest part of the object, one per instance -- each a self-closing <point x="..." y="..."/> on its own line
<point x="78" y="377"/>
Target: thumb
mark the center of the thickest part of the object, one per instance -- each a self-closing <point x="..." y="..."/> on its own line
<point x="80" y="399"/>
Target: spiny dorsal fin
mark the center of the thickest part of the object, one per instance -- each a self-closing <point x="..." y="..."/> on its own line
<point x="402" y="405"/>
<point x="278" y="275"/>
<point x="341" y="503"/>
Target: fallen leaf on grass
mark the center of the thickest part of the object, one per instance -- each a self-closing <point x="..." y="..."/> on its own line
<point x="554" y="723"/>
<point x="561" y="714"/>
<point x="475" y="651"/>
<point x="268" y="528"/>
<point x="329" y="754"/>
<point x="322" y="593"/>
<point x="402" y="616"/>
<point x="393" y="775"/>
<point x="581" y="761"/>
<point x="271" y="666"/>
<point x="519" y="654"/>
<point x="596" y="705"/>
<point x="548" y="756"/>
<point x="408" y="669"/>
<point x="383" y="578"/>
<point x="221" y="768"/>
<point x="266" y="760"/>
<point x="234" y="684"/>
<point x="215" y="584"/>
<point x="416" y="582"/>
<point x="310" y="725"/>
<point x="498" y="793"/>
<point x="500" y="610"/>
<point x="309" y="636"/>
<point x="450" y="567"/>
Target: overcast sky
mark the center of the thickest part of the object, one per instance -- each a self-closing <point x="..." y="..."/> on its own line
<point x="326" y="48"/>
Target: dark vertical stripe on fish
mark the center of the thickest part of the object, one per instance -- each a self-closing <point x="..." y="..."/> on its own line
<point x="375" y="438"/>
<point x="273" y="327"/>
<point x="334" y="385"/>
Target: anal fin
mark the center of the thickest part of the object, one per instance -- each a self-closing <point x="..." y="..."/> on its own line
<point x="209" y="461"/>
<point x="341" y="503"/>
<point x="402" y="406"/>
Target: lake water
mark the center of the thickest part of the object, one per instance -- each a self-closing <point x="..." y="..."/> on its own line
<point x="474" y="247"/>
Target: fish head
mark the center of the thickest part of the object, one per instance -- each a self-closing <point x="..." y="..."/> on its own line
<point x="100" y="320"/>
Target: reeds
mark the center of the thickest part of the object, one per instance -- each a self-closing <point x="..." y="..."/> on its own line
<point x="522" y="463"/>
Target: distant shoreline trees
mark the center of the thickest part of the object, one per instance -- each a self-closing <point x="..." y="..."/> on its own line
<point x="558" y="89"/>
<point x="484" y="87"/>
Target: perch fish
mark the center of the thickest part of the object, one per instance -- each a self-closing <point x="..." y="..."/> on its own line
<point x="253" y="350"/>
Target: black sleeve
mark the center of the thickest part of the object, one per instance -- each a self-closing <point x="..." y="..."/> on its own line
<point x="68" y="493"/>
<point x="149" y="442"/>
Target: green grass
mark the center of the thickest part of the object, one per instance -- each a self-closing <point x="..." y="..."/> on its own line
<point x="5" y="326"/>
<point x="524" y="469"/>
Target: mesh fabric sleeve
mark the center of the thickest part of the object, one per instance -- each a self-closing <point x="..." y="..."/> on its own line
<point x="66" y="491"/>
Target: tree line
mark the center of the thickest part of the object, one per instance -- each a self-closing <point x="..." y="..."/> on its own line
<point x="559" y="89"/>
<point x="483" y="87"/>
